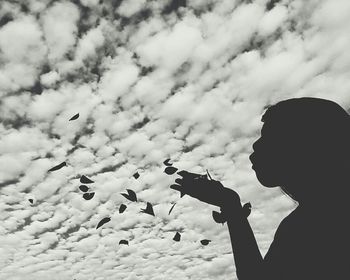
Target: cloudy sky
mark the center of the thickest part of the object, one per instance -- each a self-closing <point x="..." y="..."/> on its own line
<point x="151" y="80"/>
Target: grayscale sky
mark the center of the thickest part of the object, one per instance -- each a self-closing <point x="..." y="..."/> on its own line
<point x="151" y="80"/>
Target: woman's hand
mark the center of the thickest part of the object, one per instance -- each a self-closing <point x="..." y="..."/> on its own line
<point x="209" y="191"/>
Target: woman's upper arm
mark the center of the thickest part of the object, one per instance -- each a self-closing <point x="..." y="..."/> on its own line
<point x="275" y="258"/>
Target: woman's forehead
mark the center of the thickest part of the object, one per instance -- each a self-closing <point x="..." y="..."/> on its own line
<point x="271" y="128"/>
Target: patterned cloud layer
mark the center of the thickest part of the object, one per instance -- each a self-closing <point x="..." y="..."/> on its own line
<point x="150" y="80"/>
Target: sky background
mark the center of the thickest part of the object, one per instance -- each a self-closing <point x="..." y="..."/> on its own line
<point x="151" y="80"/>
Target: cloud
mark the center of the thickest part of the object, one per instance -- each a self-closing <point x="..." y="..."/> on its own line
<point x="60" y="28"/>
<point x="22" y="53"/>
<point x="50" y="78"/>
<point x="273" y="20"/>
<point x="87" y="45"/>
<point x="131" y="7"/>
<point x="116" y="81"/>
<point x="170" y="49"/>
<point x="150" y="80"/>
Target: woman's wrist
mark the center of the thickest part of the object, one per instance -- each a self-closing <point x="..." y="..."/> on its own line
<point x="231" y="203"/>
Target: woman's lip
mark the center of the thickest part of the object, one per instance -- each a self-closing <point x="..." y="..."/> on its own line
<point x="252" y="161"/>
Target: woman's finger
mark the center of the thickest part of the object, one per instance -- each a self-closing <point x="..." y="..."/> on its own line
<point x="176" y="187"/>
<point x="182" y="173"/>
<point x="179" y="181"/>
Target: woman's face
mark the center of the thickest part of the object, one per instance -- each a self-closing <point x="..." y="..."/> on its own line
<point x="269" y="156"/>
<point x="302" y="148"/>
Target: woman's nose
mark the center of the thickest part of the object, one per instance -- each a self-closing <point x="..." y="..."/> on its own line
<point x="251" y="157"/>
<point x="256" y="144"/>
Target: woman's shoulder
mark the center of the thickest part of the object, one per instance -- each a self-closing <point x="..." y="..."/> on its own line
<point x="290" y="221"/>
<point x="304" y="227"/>
<point x="287" y="230"/>
<point x="306" y="240"/>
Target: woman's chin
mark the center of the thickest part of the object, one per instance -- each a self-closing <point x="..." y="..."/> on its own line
<point x="266" y="180"/>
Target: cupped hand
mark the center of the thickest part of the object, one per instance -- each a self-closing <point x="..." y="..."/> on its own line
<point x="209" y="191"/>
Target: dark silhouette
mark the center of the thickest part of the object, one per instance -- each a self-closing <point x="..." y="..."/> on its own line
<point x="148" y="209"/>
<point x="136" y="175"/>
<point x="205" y="242"/>
<point x="57" y="167"/>
<point x="125" y="242"/>
<point x="218" y="217"/>
<point x="171" y="209"/>
<point x="76" y="116"/>
<point x="304" y="148"/>
<point x="177" y="237"/>
<point x="170" y="170"/>
<point x="247" y="209"/>
<point x="167" y="162"/>
<point x="85" y="180"/>
<point x="131" y="195"/>
<point x="88" y="196"/>
<point x="103" y="221"/>
<point x="122" y="208"/>
<point x="83" y="188"/>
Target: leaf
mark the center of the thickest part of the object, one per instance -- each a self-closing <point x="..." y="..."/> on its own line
<point x="177" y="237"/>
<point x="57" y="167"/>
<point x="170" y="170"/>
<point x="131" y="195"/>
<point x="103" y="221"/>
<point x="208" y="175"/>
<point x="148" y="210"/>
<point x="74" y="117"/>
<point x="85" y="180"/>
<point x="122" y="208"/>
<point x="178" y="188"/>
<point x="218" y="217"/>
<point x="83" y="188"/>
<point x="205" y="242"/>
<point x="247" y="209"/>
<point x="125" y="242"/>
<point x="88" y="196"/>
<point x="171" y="209"/>
<point x="167" y="163"/>
<point x="126" y="195"/>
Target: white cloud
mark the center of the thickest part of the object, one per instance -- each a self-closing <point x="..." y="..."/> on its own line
<point x="22" y="53"/>
<point x="170" y="48"/>
<point x="116" y="81"/>
<point x="190" y="85"/>
<point x="89" y="2"/>
<point x="60" y="27"/>
<point x="231" y="34"/>
<point x="152" y="89"/>
<point x="13" y="165"/>
<point x="21" y="41"/>
<point x="47" y="106"/>
<point x="273" y="20"/>
<point x="89" y="43"/>
<point x="131" y="7"/>
<point x="50" y="78"/>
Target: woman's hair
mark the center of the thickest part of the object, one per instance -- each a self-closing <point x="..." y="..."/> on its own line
<point x="312" y="122"/>
<point x="318" y="131"/>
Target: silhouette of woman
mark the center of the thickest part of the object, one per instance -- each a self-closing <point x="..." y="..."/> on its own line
<point x="304" y="148"/>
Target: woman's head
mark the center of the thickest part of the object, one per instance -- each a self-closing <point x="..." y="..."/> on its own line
<point x="304" y="146"/>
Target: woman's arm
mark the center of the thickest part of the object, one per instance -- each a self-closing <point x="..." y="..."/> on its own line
<point x="249" y="262"/>
<point x="247" y="257"/>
